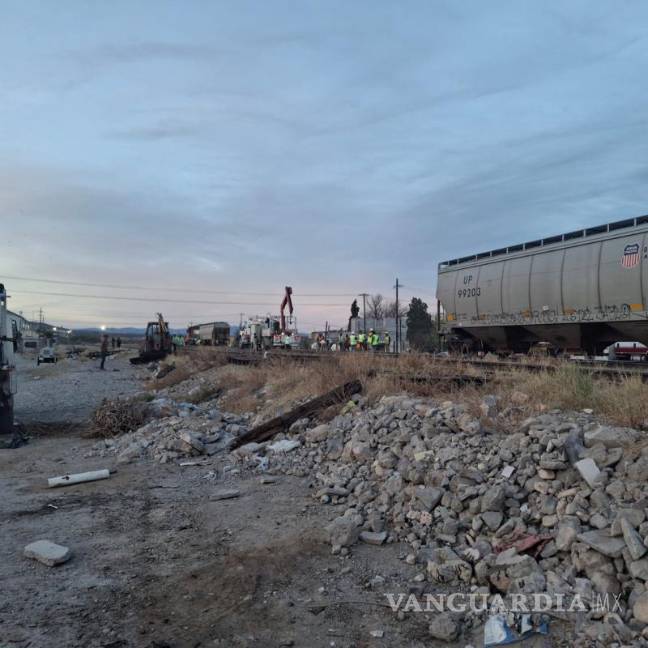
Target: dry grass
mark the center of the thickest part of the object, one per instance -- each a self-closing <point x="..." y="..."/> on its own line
<point x="623" y="402"/>
<point x="187" y="363"/>
<point x="279" y="384"/>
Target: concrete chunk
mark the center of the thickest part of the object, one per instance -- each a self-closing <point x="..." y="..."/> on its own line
<point x="47" y="552"/>
<point x="604" y="544"/>
<point x="588" y="470"/>
<point x="373" y="538"/>
<point x="633" y="540"/>
<point x="192" y="440"/>
<point x="429" y="496"/>
<point x="285" y="445"/>
<point x="610" y="437"/>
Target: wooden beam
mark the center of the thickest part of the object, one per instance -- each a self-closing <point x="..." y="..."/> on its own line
<point x="268" y="429"/>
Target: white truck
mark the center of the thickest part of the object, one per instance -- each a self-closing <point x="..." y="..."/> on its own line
<point x="7" y="368"/>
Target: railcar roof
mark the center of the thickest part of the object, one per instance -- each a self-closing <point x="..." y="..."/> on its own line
<point x="551" y="240"/>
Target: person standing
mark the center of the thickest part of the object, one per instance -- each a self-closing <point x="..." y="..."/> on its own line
<point x="104" y="351"/>
<point x="387" y="341"/>
<point x="119" y="343"/>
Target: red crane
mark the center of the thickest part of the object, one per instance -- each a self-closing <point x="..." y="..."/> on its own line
<point x="287" y="301"/>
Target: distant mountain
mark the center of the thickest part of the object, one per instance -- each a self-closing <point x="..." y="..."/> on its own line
<point x="126" y="331"/>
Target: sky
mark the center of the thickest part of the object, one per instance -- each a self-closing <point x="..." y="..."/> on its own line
<point x="196" y="157"/>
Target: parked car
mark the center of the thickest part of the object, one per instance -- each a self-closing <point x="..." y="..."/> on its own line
<point x="47" y="355"/>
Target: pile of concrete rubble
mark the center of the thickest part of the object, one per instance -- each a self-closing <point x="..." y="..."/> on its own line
<point x="557" y="506"/>
<point x="175" y="432"/>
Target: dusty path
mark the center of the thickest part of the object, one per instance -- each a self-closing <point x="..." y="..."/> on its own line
<point x="68" y="392"/>
<point x="157" y="564"/>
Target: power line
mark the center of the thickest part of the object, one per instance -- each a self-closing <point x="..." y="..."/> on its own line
<point x="164" y="299"/>
<point x="166" y="289"/>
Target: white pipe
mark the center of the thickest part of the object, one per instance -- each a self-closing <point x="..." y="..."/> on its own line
<point x="66" y="480"/>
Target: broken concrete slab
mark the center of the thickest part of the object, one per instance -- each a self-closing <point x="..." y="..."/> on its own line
<point x="634" y="542"/>
<point x="343" y="531"/>
<point x="610" y="437"/>
<point x="373" y="538"/>
<point x="429" y="497"/>
<point x="285" y="445"/>
<point x="192" y="440"/>
<point x="48" y="553"/>
<point x="603" y="543"/>
<point x="588" y="470"/>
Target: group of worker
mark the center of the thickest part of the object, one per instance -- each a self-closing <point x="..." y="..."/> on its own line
<point x="362" y="341"/>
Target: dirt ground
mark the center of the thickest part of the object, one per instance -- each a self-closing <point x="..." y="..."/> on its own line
<point x="157" y="564"/>
<point x="66" y="393"/>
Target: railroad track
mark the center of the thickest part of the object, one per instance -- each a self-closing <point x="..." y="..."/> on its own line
<point x="611" y="370"/>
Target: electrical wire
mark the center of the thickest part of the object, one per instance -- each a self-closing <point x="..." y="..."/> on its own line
<point x="167" y="289"/>
<point x="163" y="299"/>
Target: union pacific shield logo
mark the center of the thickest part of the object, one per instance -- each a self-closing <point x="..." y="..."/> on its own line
<point x="630" y="256"/>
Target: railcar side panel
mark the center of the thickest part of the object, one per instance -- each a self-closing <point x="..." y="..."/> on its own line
<point x="580" y="278"/>
<point x="546" y="282"/>
<point x="620" y="275"/>
<point x="489" y="290"/>
<point x="446" y="293"/>
<point x="515" y="286"/>
<point x="466" y="292"/>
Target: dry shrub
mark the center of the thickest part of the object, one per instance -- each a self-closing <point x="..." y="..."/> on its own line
<point x="203" y="393"/>
<point x="178" y="375"/>
<point x="622" y="402"/>
<point x="119" y="416"/>
<point x="239" y="403"/>
<point x="189" y="362"/>
<point x="242" y="386"/>
<point x="625" y="402"/>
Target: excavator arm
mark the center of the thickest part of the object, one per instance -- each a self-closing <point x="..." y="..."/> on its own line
<point x="287" y="301"/>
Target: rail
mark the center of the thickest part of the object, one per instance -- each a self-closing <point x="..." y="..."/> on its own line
<point x="612" y="369"/>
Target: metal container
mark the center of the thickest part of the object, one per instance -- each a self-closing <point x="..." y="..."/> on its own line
<point x="581" y="290"/>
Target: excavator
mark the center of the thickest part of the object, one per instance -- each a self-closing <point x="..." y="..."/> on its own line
<point x="157" y="342"/>
<point x="287" y="337"/>
<point x="287" y="301"/>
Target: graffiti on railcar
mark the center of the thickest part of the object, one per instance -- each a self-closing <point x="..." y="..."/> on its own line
<point x="606" y="313"/>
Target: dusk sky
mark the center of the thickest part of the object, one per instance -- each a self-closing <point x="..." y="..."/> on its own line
<point x="237" y="147"/>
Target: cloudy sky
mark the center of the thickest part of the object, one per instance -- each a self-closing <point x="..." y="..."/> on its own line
<point x="231" y="148"/>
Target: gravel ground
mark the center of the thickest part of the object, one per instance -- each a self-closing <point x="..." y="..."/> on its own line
<point x="159" y="560"/>
<point x="67" y="392"/>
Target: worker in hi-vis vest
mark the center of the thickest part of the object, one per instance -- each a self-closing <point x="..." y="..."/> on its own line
<point x="362" y="338"/>
<point x="352" y="341"/>
<point x="387" y="340"/>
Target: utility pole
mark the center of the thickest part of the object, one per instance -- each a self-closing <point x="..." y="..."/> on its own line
<point x="398" y="336"/>
<point x="364" y="310"/>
